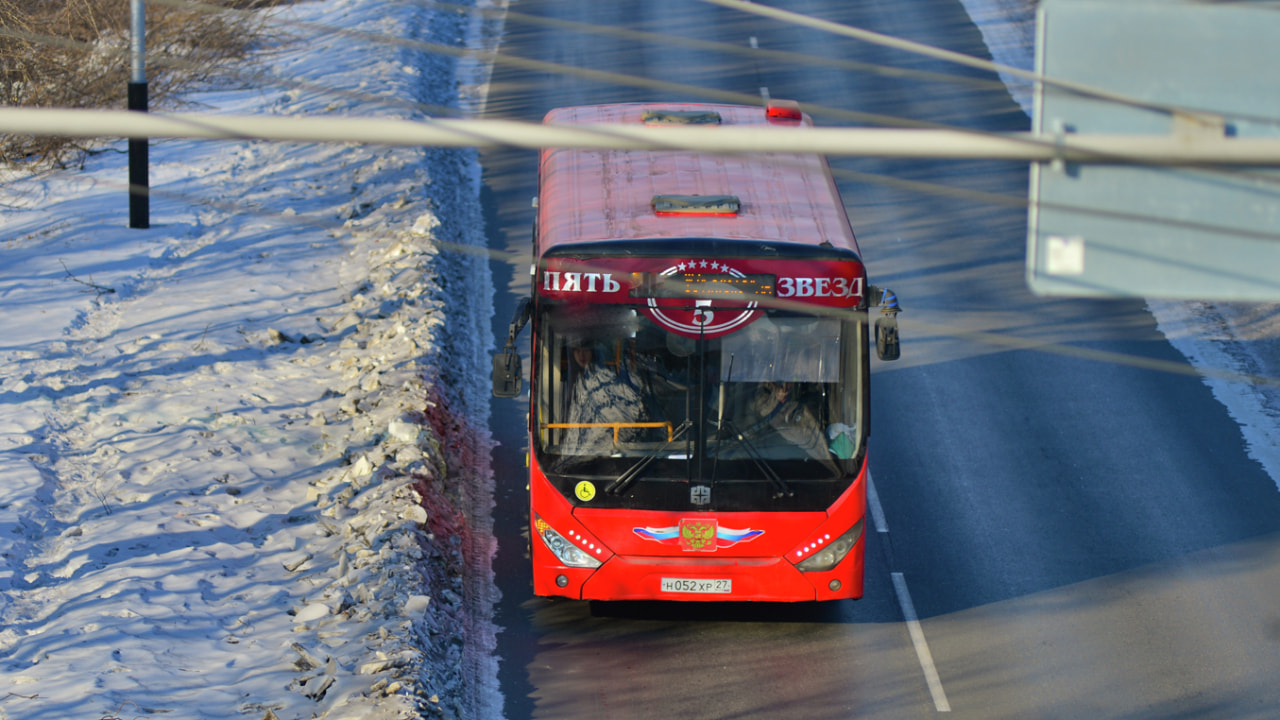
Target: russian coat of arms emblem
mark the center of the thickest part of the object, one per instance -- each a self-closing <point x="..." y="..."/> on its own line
<point x="698" y="535"/>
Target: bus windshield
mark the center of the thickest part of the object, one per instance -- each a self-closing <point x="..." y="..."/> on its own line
<point x="780" y="395"/>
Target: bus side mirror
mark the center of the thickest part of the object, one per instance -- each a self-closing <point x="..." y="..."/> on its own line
<point x="887" y="324"/>
<point x="887" y="347"/>
<point x="508" y="375"/>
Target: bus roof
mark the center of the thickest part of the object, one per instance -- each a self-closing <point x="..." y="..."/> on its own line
<point x="605" y="195"/>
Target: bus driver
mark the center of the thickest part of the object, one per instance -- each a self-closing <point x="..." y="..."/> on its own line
<point x="781" y="406"/>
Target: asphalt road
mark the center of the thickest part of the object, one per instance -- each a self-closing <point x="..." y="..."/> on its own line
<point x="1077" y="537"/>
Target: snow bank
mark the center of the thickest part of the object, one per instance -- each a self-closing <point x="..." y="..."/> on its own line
<point x="243" y="456"/>
<point x="1234" y="339"/>
<point x="1008" y="29"/>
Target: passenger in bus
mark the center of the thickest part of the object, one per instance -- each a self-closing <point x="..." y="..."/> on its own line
<point x="782" y="406"/>
<point x="598" y="395"/>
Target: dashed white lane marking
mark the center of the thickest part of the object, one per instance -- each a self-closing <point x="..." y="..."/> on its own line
<point x="921" y="645"/>
<point x="877" y="512"/>
<point x="764" y="91"/>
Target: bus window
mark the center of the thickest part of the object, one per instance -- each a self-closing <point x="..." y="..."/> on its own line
<point x="783" y="389"/>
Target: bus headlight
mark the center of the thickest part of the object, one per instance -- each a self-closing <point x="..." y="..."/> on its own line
<point x="832" y="553"/>
<point x="565" y="551"/>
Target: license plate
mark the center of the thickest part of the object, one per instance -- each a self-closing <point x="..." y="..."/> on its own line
<point x="697" y="585"/>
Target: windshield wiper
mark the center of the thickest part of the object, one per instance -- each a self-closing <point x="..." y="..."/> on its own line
<point x="784" y="490"/>
<point x="715" y="459"/>
<point x="632" y="474"/>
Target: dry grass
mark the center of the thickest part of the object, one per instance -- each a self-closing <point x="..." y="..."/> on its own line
<point x="75" y="54"/>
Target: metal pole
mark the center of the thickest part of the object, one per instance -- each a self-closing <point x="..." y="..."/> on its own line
<point x="1164" y="150"/>
<point x="139" y="181"/>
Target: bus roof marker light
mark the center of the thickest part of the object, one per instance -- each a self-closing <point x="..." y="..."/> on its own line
<point x="783" y="112"/>
<point x="696" y="204"/>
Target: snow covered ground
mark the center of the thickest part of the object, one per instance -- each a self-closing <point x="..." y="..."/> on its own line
<point x="243" y="455"/>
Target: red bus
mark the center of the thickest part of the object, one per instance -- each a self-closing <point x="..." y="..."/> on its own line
<point x="699" y="370"/>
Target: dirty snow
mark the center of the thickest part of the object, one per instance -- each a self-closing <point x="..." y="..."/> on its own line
<point x="243" y="455"/>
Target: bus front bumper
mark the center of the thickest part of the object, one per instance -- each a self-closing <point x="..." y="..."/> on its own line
<point x="703" y="580"/>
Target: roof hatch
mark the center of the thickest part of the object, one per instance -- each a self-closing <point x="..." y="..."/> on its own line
<point x="681" y="117"/>
<point x="696" y="204"/>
